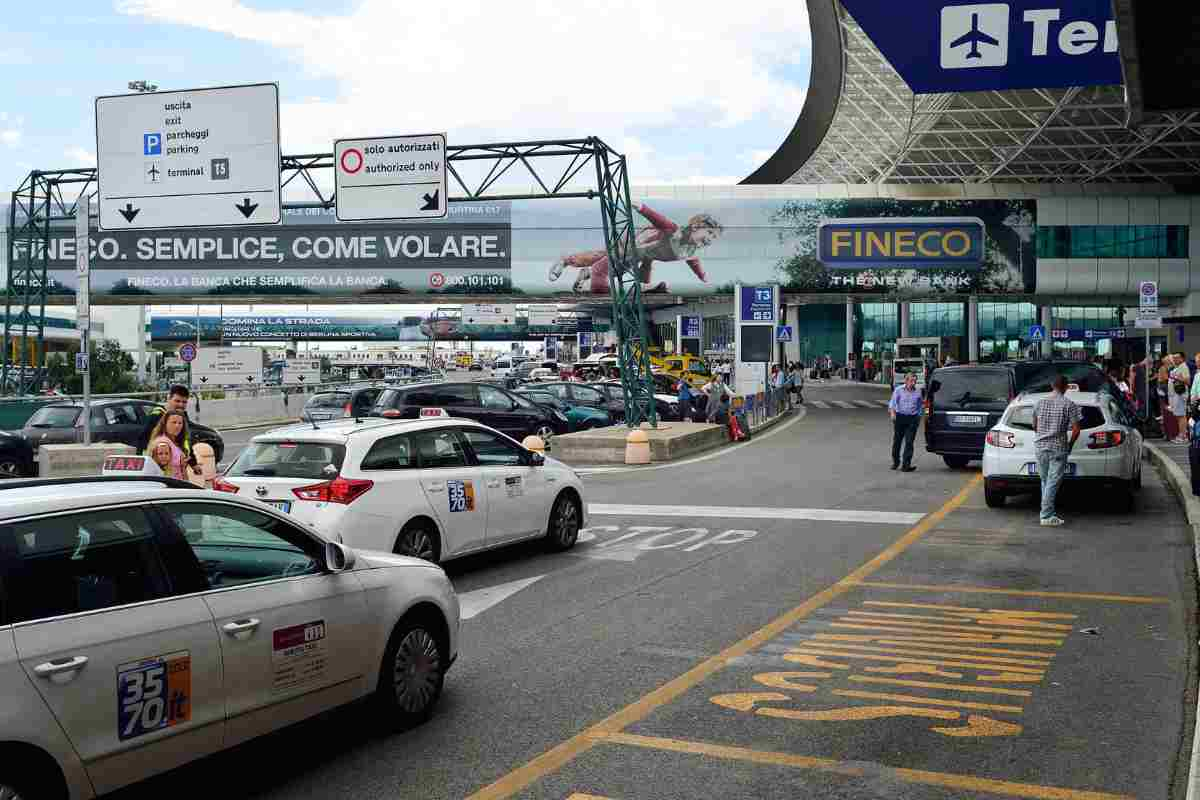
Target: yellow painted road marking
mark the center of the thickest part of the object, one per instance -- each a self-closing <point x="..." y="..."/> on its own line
<point x="952" y="589"/>
<point x="1046" y="614"/>
<point x="1017" y="629"/>
<point x="800" y="658"/>
<point x="989" y="618"/>
<point x="936" y="652"/>
<point x="930" y="701"/>
<point x="999" y="638"/>
<point x="554" y="758"/>
<point x="938" y="644"/>
<point x="954" y="687"/>
<point x="967" y="783"/>
<point x="582" y="796"/>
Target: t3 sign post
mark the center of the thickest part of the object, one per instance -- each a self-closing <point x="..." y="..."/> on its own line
<point x="83" y="307"/>
<point x="757" y="310"/>
<point x="687" y="335"/>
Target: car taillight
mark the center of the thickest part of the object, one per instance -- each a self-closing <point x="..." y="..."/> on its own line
<point x="391" y="413"/>
<point x="1001" y="439"/>
<point x="1103" y="439"/>
<point x="347" y="409"/>
<point x="222" y="485"/>
<point x="338" y="490"/>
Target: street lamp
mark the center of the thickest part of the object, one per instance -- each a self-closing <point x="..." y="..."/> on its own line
<point x="142" y="86"/>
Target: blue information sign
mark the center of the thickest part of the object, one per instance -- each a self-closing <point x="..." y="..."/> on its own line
<point x="758" y="304"/>
<point x="1037" y="333"/>
<point x="689" y="327"/>
<point x="783" y="333"/>
<point x="952" y="46"/>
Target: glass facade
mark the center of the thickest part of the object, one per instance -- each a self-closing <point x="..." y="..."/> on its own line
<point x="1004" y="330"/>
<point x="878" y="327"/>
<point x="821" y="329"/>
<point x="937" y="319"/>
<point x="1112" y="241"/>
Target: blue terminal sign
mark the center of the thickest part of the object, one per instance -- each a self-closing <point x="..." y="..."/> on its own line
<point x="901" y="243"/>
<point x="758" y="304"/>
<point x="689" y="327"/>
<point x="952" y="46"/>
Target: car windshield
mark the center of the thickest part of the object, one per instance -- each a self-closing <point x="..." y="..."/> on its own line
<point x="307" y="460"/>
<point x="328" y="400"/>
<point x="1022" y="417"/>
<point x="54" y="417"/>
<point x="1040" y="378"/>
<point x="957" y="388"/>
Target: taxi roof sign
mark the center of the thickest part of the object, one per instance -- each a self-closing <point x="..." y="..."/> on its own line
<point x="130" y="465"/>
<point x="434" y="413"/>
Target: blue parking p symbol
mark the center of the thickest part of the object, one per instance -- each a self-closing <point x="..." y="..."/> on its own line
<point x="152" y="144"/>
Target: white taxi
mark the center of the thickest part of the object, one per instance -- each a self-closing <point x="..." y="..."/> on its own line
<point x="1107" y="456"/>
<point x="436" y="487"/>
<point x="144" y="625"/>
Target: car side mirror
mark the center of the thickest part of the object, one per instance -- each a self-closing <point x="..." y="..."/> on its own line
<point x="338" y="557"/>
<point x="537" y="460"/>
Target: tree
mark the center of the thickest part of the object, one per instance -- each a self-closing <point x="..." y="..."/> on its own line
<point x="111" y="369"/>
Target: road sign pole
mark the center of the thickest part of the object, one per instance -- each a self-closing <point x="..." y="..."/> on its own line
<point x="83" y="309"/>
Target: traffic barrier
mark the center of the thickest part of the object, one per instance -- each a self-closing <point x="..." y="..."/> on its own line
<point x="76" y="460"/>
<point x="637" y="447"/>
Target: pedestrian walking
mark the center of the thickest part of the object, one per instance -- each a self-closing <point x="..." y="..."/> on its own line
<point x="712" y="392"/>
<point x="1181" y="383"/>
<point x="1162" y="388"/>
<point x="905" y="410"/>
<point x="1056" y="428"/>
<point x="797" y="378"/>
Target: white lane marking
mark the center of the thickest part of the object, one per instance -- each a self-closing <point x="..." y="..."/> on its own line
<point x="477" y="601"/>
<point x="818" y="404"/>
<point x="740" y="512"/>
<point x="868" y="403"/>
<point x="842" y="404"/>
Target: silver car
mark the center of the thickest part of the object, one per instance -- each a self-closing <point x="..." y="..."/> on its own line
<point x="143" y="626"/>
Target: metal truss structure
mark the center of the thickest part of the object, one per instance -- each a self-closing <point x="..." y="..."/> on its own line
<point x="556" y="169"/>
<point x="883" y="133"/>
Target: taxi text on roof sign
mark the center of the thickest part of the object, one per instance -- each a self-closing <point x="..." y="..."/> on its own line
<point x="901" y="243"/>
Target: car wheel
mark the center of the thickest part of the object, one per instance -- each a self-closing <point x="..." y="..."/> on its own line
<point x="993" y="496"/>
<point x="10" y="468"/>
<point x="417" y="541"/>
<point x="1137" y="480"/>
<point x="956" y="462"/>
<point x="564" y="523"/>
<point x="412" y="674"/>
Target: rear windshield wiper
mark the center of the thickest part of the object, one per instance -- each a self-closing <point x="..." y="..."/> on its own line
<point x="264" y="472"/>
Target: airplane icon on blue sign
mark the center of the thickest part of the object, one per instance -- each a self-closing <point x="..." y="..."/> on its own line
<point x="974" y="37"/>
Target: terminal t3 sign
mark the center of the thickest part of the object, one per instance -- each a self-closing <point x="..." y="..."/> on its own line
<point x="897" y="242"/>
<point x="952" y="46"/>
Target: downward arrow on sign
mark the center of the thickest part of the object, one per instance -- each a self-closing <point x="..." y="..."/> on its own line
<point x="246" y="207"/>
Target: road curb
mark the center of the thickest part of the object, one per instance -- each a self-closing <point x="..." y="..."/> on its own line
<point x="1181" y="484"/>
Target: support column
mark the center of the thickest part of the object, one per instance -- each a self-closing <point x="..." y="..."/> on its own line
<point x="973" y="330"/>
<point x="905" y="310"/>
<point x="1047" y="320"/>
<point x="849" y="329"/>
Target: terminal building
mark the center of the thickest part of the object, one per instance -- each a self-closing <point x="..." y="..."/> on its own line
<point x="1109" y="205"/>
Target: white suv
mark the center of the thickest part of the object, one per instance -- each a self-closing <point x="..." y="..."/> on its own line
<point x="1107" y="456"/>
<point x="436" y="487"/>
<point x="143" y="626"/>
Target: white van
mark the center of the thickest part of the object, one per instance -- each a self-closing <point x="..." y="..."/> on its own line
<point x="504" y="365"/>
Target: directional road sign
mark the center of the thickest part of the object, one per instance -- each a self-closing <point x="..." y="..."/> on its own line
<point x="187" y="352"/>
<point x="301" y="371"/>
<point x="200" y="158"/>
<point x="1037" y="333"/>
<point x="81" y="362"/>
<point x="489" y="314"/>
<point x="228" y="366"/>
<point x="395" y="177"/>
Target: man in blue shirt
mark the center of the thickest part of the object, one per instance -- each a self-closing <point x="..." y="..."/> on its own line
<point x="905" y="410"/>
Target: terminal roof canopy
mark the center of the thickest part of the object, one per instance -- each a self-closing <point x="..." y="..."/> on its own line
<point x="862" y="124"/>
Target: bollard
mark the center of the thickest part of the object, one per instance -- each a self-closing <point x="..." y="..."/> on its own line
<point x="637" y="447"/>
<point x="534" y="443"/>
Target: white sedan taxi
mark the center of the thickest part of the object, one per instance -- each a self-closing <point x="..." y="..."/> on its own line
<point x="436" y="487"/>
<point x="144" y="624"/>
<point x="1107" y="456"/>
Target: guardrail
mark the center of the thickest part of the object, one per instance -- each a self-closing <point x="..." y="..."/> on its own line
<point x="763" y="406"/>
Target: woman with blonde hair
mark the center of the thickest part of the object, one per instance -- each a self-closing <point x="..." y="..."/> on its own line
<point x="172" y="429"/>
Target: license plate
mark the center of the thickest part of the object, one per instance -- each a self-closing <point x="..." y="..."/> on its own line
<point x="286" y="505"/>
<point x="1032" y="468"/>
<point x="969" y="420"/>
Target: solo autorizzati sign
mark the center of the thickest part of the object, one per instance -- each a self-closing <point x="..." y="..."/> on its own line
<point x="913" y="243"/>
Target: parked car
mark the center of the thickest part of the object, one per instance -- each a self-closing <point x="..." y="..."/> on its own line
<point x="1107" y="457"/>
<point x="113" y="420"/>
<point x="434" y="488"/>
<point x="578" y="394"/>
<point x="149" y="625"/>
<point x="964" y="402"/>
<point x="337" y="404"/>
<point x="475" y="367"/>
<point x="580" y="417"/>
<point x="666" y="405"/>
<point x="509" y="413"/>
<point x="16" y="456"/>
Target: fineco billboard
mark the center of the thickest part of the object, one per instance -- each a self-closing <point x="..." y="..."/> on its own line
<point x="555" y="249"/>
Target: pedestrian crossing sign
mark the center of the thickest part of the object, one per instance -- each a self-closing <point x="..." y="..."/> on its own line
<point x="1037" y="333"/>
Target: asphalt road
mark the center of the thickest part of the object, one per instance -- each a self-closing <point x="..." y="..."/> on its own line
<point x="820" y="626"/>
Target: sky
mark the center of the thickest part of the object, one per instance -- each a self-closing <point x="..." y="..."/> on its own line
<point x="691" y="92"/>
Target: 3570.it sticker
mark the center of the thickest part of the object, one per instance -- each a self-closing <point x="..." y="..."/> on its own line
<point x="462" y="495"/>
<point x="153" y="693"/>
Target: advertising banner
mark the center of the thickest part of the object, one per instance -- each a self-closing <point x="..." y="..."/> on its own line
<point x="554" y="249"/>
<point x="907" y="243"/>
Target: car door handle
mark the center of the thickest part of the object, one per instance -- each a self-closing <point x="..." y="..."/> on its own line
<point x="493" y="484"/>
<point x="436" y="487"/>
<point x="551" y="479"/>
<point x="241" y="629"/>
<point x="61" y="670"/>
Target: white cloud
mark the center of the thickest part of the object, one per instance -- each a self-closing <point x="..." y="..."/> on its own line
<point x="80" y="157"/>
<point x="11" y="128"/>
<point x="490" y="70"/>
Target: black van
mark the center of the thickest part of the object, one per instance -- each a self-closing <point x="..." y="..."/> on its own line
<point x="962" y="403"/>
